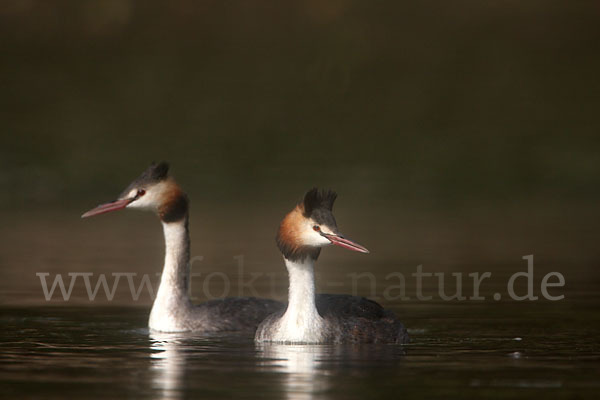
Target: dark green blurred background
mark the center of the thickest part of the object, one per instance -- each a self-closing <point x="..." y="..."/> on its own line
<point x="456" y="132"/>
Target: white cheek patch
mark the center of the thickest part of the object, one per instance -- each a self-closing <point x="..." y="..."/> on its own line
<point x="148" y="201"/>
<point x="153" y="196"/>
<point x="310" y="237"/>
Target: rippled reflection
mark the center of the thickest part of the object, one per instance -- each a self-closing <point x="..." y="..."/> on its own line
<point x="168" y="364"/>
<point x="311" y="371"/>
<point x="301" y="365"/>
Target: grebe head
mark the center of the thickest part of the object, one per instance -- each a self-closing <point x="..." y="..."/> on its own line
<point x="154" y="191"/>
<point x="311" y="226"/>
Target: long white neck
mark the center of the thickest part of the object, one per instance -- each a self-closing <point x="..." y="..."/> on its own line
<point x="301" y="321"/>
<point x="172" y="304"/>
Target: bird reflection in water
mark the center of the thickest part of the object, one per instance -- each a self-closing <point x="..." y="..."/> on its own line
<point x="313" y="370"/>
<point x="167" y="363"/>
<point x="300" y="363"/>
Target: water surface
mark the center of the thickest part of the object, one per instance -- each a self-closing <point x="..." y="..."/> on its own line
<point x="456" y="351"/>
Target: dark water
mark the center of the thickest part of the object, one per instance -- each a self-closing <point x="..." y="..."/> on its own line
<point x="457" y="351"/>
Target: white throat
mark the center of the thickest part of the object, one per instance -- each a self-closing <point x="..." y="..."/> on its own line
<point x="301" y="321"/>
<point x="172" y="305"/>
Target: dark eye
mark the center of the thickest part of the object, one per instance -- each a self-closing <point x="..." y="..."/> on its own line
<point x="140" y="193"/>
<point x="317" y="228"/>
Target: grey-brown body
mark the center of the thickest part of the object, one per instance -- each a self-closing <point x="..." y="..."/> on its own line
<point x="347" y="319"/>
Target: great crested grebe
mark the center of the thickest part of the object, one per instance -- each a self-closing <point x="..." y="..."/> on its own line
<point x="173" y="310"/>
<point x="324" y="318"/>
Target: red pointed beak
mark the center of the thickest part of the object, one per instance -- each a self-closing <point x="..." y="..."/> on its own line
<point x="345" y="243"/>
<point x="107" y="207"/>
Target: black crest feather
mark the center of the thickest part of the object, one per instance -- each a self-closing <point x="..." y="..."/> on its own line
<point x="316" y="199"/>
<point x="155" y="173"/>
